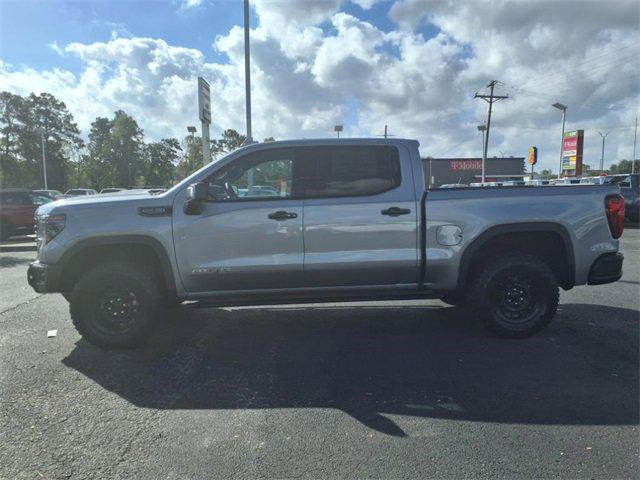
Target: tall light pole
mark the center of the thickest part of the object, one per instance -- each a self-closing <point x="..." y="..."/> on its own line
<point x="604" y="136"/>
<point x="483" y="129"/>
<point x="633" y="158"/>
<point x="44" y="159"/>
<point x="247" y="71"/>
<point x="562" y="107"/>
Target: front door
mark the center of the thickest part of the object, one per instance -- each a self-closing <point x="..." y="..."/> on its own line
<point x="248" y="236"/>
<point x="360" y="216"/>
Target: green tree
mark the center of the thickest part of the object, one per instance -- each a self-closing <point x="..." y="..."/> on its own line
<point x="159" y="159"/>
<point x="96" y="166"/>
<point x="547" y="174"/>
<point x="192" y="158"/>
<point x="24" y="123"/>
<point x="229" y="141"/>
<point x="623" y="166"/>
<point x="11" y="107"/>
<point x="115" y="152"/>
<point x="126" y="143"/>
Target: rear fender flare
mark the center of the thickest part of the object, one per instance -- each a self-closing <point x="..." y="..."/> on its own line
<point x="523" y="227"/>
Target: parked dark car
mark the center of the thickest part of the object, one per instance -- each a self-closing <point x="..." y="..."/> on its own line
<point x="17" y="209"/>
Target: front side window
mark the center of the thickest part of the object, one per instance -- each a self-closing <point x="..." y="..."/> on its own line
<point x="265" y="175"/>
<point x="329" y="171"/>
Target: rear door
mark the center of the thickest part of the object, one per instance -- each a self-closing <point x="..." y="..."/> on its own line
<point x="360" y="216"/>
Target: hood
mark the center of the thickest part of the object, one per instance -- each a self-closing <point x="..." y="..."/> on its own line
<point x="97" y="201"/>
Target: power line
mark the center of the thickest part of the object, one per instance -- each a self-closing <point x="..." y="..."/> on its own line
<point x="571" y="71"/>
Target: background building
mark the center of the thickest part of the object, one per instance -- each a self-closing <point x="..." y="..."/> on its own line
<point x="439" y="171"/>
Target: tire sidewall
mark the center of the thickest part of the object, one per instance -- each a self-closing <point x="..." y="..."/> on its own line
<point x="86" y="300"/>
<point x="546" y="294"/>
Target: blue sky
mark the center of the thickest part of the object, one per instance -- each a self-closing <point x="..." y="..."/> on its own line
<point x="29" y="26"/>
<point x="411" y="64"/>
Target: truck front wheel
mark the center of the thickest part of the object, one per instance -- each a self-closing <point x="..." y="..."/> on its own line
<point x="115" y="305"/>
<point x="516" y="294"/>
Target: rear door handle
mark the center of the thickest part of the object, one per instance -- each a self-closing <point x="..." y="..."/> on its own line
<point x="282" y="215"/>
<point x="395" y="211"/>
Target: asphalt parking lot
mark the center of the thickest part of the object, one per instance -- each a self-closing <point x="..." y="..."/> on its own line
<point x="383" y="389"/>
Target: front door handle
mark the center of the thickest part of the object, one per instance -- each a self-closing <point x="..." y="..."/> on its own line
<point x="395" y="211"/>
<point x="282" y="215"/>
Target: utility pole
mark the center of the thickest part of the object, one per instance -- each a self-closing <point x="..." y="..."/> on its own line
<point x="633" y="158"/>
<point x="247" y="71"/>
<point x="490" y="99"/>
<point x="482" y="129"/>
<point x="604" y="136"/>
<point x="386" y="133"/>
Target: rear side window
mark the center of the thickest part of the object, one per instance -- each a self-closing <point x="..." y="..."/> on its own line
<point x="347" y="171"/>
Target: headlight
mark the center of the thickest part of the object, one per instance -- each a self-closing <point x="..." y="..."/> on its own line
<point x="49" y="226"/>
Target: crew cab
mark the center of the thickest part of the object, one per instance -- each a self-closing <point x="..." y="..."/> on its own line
<point x="341" y="220"/>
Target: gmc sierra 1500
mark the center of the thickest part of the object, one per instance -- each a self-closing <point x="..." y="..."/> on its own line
<point x="324" y="220"/>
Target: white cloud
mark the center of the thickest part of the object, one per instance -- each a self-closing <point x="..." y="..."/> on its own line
<point x="365" y="4"/>
<point x="190" y="3"/>
<point x="56" y="48"/>
<point x="313" y="67"/>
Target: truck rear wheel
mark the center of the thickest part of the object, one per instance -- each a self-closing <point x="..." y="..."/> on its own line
<point x="115" y="305"/>
<point x="517" y="294"/>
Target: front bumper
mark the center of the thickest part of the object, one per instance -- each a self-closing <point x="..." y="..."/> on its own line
<point x="44" y="278"/>
<point x="606" y="269"/>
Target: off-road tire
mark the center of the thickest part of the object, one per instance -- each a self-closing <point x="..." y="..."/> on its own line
<point x="116" y="305"/>
<point x="516" y="294"/>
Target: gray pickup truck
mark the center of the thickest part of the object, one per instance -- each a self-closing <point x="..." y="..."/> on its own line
<point x="324" y="221"/>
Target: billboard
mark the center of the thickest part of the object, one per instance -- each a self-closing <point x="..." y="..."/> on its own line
<point x="204" y="100"/>
<point x="572" y="144"/>
<point x="532" y="158"/>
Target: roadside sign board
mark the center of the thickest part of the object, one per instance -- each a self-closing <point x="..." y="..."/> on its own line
<point x="572" y="145"/>
<point x="532" y="158"/>
<point x="204" y="100"/>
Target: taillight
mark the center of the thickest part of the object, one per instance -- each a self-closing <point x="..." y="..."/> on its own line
<point x="614" y="206"/>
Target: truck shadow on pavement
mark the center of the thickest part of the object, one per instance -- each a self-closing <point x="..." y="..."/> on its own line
<point x="379" y="362"/>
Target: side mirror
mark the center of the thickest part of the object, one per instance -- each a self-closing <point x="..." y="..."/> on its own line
<point x="196" y="194"/>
